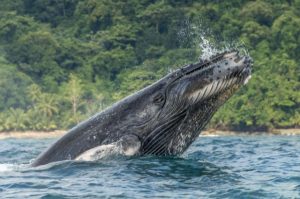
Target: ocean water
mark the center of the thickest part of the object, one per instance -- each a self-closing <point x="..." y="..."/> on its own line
<point x="213" y="167"/>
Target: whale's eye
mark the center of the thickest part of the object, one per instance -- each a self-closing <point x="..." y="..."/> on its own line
<point x="159" y="98"/>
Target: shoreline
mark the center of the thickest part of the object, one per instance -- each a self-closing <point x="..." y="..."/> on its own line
<point x="282" y="132"/>
<point x="31" y="134"/>
<point x="206" y="133"/>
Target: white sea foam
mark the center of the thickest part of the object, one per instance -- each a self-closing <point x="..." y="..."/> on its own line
<point x="7" y="167"/>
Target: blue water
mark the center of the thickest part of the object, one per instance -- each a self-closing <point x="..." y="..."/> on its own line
<point x="213" y="167"/>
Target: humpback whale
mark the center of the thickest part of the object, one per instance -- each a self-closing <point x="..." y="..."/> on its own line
<point x="162" y="119"/>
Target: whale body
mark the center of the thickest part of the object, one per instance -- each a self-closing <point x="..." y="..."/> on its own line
<point x="161" y="119"/>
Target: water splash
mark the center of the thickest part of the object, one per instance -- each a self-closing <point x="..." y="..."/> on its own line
<point x="205" y="42"/>
<point x="207" y="48"/>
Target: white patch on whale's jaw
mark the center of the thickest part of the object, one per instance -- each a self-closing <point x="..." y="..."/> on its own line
<point x="98" y="152"/>
<point x="247" y="79"/>
<point x="109" y="150"/>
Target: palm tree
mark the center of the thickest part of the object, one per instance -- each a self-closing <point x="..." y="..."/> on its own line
<point x="47" y="104"/>
<point x="16" y="119"/>
<point x="34" y="92"/>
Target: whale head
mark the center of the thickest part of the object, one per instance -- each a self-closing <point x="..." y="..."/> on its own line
<point x="189" y="97"/>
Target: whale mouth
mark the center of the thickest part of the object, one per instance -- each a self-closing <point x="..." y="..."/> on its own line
<point x="227" y="70"/>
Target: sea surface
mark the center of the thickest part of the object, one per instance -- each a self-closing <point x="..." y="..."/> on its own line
<point x="261" y="166"/>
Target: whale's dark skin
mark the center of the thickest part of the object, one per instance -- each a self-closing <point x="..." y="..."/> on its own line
<point x="161" y="119"/>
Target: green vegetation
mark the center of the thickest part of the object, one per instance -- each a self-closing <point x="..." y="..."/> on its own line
<point x="61" y="61"/>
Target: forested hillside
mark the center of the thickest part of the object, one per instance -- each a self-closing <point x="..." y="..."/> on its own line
<point x="62" y="61"/>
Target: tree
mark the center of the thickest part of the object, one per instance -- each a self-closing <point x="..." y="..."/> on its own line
<point x="44" y="106"/>
<point x="34" y="53"/>
<point x="16" y="120"/>
<point x="49" y="11"/>
<point x="259" y="10"/>
<point x="13" y="85"/>
<point x="74" y="93"/>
